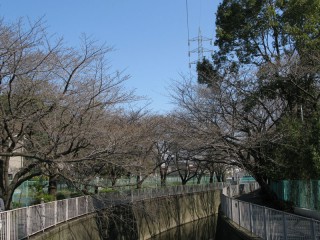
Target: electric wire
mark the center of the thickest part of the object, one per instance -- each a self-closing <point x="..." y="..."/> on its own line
<point x="200" y="13"/>
<point x="188" y="28"/>
<point x="187" y="10"/>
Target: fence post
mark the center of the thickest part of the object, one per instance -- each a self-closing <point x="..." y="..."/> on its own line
<point x="239" y="213"/>
<point x="55" y="212"/>
<point x="77" y="207"/>
<point x="2" y="230"/>
<point x="8" y="223"/>
<point x="86" y="204"/>
<point x="28" y="221"/>
<point x="265" y="223"/>
<point x="251" y="217"/>
<point x="231" y="207"/>
<point x="67" y="209"/>
<point x="284" y="220"/>
<point x="43" y="215"/>
<point x="313" y="229"/>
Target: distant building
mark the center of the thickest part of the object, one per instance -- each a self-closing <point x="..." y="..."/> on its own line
<point x="15" y="164"/>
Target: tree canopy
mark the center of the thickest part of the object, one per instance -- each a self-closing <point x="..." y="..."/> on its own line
<point x="260" y="32"/>
<point x="263" y="86"/>
<point x="54" y="100"/>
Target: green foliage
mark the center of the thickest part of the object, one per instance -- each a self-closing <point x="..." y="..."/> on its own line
<point x="256" y="32"/>
<point x="39" y="185"/>
<point x="279" y="40"/>
<point x="206" y="72"/>
<point x="16" y="205"/>
<point x="76" y="194"/>
<point x="302" y="22"/>
<point x="239" y="27"/>
<point x="40" y="178"/>
<point x="63" y="195"/>
<point x="106" y="190"/>
<point x="299" y="150"/>
<point x="38" y="188"/>
<point x="43" y="197"/>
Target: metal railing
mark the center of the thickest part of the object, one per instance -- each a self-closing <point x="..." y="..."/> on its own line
<point x="21" y="223"/>
<point x="268" y="223"/>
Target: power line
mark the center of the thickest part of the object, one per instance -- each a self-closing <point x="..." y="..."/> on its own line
<point x="200" y="12"/>
<point x="188" y="28"/>
<point x="187" y="10"/>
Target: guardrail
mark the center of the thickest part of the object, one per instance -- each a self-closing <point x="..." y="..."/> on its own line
<point x="21" y="223"/>
<point x="268" y="223"/>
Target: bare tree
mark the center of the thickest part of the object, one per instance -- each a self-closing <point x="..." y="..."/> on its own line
<point x="222" y="123"/>
<point x="163" y="150"/>
<point x="53" y="99"/>
<point x="164" y="158"/>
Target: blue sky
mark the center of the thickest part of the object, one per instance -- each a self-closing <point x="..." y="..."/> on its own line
<point x="150" y="37"/>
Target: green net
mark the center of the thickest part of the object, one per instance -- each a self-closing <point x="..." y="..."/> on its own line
<point x="303" y="193"/>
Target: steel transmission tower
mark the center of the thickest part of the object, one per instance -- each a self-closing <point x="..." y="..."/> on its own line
<point x="200" y="49"/>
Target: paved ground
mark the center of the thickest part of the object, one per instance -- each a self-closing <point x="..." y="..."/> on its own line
<point x="256" y="197"/>
<point x="296" y="228"/>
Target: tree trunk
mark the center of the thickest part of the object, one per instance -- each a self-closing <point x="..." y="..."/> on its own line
<point x="219" y="178"/>
<point x="163" y="177"/>
<point x="85" y="190"/>
<point x="7" y="198"/>
<point x="139" y="182"/>
<point x="164" y="181"/>
<point x="6" y="193"/>
<point x="211" y="177"/>
<point x="53" y="182"/>
<point x="113" y="181"/>
<point x="184" y="181"/>
<point x="199" y="179"/>
<point x="265" y="189"/>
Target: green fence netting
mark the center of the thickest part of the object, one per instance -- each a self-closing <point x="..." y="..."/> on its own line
<point x="303" y="193"/>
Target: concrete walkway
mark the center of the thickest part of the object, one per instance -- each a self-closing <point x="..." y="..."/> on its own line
<point x="256" y="197"/>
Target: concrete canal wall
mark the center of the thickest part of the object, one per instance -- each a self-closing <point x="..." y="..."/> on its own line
<point x="157" y="215"/>
<point x="144" y="219"/>
<point x="227" y="229"/>
<point x="139" y="220"/>
<point x="82" y="228"/>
